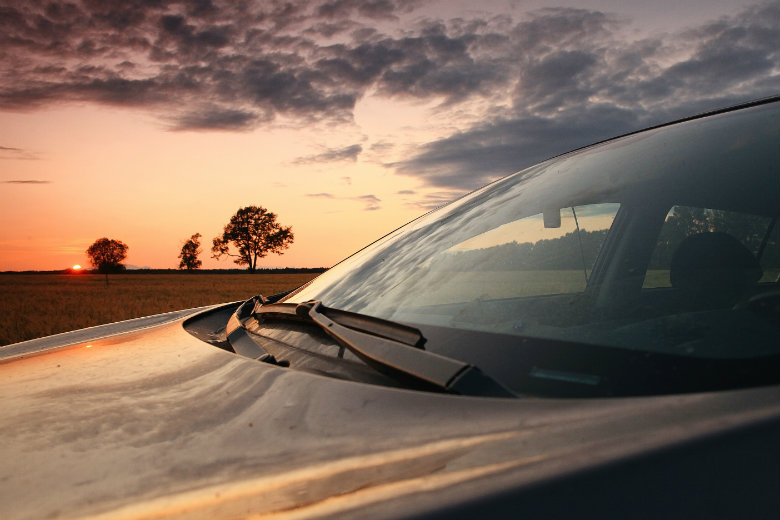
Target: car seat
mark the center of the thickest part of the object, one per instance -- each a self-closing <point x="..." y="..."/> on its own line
<point x="713" y="270"/>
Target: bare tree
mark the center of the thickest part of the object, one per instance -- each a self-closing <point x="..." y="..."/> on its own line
<point x="189" y="253"/>
<point x="254" y="232"/>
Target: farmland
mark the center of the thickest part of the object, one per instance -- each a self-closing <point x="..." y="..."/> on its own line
<point x="40" y="304"/>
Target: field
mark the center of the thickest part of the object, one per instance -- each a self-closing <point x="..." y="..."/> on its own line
<point x="35" y="305"/>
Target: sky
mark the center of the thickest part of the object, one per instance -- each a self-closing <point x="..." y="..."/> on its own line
<point x="148" y="121"/>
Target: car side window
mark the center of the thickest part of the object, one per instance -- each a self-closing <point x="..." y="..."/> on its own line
<point x="685" y="225"/>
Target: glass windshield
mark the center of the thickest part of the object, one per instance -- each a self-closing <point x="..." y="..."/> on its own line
<point x="662" y="241"/>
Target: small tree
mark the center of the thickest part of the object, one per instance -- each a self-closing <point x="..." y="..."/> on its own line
<point x="253" y="232"/>
<point x="106" y="255"/>
<point x="189" y="253"/>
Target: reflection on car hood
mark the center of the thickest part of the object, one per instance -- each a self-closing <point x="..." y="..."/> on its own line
<point x="153" y="423"/>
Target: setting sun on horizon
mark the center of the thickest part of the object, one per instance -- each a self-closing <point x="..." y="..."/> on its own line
<point x="344" y="119"/>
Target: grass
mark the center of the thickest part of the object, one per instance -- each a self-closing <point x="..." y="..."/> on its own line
<point x="454" y="286"/>
<point x="36" y="305"/>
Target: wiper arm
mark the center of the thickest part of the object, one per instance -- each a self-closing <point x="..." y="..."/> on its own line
<point x="390" y="348"/>
<point x="239" y="338"/>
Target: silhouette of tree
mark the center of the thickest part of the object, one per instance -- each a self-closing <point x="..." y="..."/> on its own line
<point x="253" y="232"/>
<point x="106" y="255"/>
<point x="189" y="253"/>
<point x="684" y="221"/>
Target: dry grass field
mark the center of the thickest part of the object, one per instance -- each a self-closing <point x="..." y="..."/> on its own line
<point x="35" y="305"/>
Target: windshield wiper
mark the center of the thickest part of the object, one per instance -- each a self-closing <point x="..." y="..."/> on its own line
<point x="390" y="348"/>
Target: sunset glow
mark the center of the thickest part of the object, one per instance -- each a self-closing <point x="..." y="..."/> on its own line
<point x="345" y="124"/>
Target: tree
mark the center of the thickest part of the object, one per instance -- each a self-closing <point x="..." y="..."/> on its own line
<point x="253" y="232"/>
<point x="106" y="255"/>
<point x="189" y="253"/>
<point x="684" y="221"/>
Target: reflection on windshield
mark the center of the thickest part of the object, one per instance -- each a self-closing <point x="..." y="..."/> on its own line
<point x="755" y="232"/>
<point x="517" y="259"/>
<point x="603" y="246"/>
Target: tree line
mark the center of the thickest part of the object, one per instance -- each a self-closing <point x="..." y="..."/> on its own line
<point x="251" y="234"/>
<point x="565" y="252"/>
<point x="579" y="250"/>
<point x="758" y="234"/>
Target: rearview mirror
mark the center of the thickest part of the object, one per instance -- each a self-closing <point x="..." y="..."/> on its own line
<point x="552" y="218"/>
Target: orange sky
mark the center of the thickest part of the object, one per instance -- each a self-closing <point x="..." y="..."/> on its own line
<point x="353" y="124"/>
<point x="118" y="174"/>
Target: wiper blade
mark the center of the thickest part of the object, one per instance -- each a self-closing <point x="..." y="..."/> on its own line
<point x="390" y="348"/>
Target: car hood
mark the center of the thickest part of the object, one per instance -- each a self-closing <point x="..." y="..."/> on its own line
<point x="142" y="420"/>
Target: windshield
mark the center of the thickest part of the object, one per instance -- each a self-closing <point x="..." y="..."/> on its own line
<point x="662" y="241"/>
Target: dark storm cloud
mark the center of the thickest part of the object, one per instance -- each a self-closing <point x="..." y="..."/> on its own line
<point x="349" y="153"/>
<point x="215" y="119"/>
<point x="473" y="158"/>
<point x="376" y="9"/>
<point x="253" y="61"/>
<point x="329" y="30"/>
<point x="591" y="86"/>
<point x="554" y="78"/>
<point x="730" y="52"/>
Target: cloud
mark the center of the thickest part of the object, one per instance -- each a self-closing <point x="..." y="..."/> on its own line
<point x="236" y="65"/>
<point x="9" y="153"/>
<point x="381" y="147"/>
<point x="239" y="65"/>
<point x="428" y="201"/>
<point x="433" y="200"/>
<point x="533" y="85"/>
<point x="26" y="182"/>
<point x="370" y="202"/>
<point x="590" y="86"/>
<point x="349" y="153"/>
<point x="375" y="9"/>
<point x="485" y="152"/>
<point x="215" y="118"/>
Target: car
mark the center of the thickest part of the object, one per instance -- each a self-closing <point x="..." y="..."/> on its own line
<point x="595" y="336"/>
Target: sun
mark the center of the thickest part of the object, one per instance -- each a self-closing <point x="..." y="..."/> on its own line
<point x="76" y="267"/>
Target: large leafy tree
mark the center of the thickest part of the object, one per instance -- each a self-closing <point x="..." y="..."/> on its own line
<point x="106" y="255"/>
<point x="189" y="253"/>
<point x="253" y="232"/>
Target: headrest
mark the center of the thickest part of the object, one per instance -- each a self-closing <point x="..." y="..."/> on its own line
<point x="714" y="266"/>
